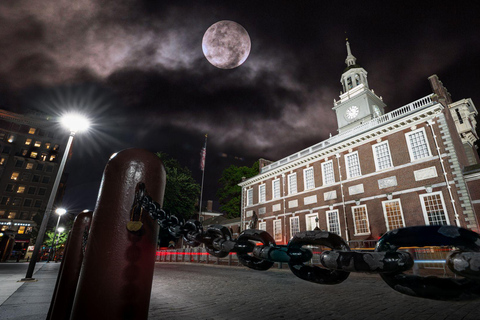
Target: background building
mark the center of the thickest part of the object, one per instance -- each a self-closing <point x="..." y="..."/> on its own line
<point x="30" y="153"/>
<point x="382" y="171"/>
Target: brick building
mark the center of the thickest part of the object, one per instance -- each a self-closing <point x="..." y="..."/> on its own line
<point x="382" y="171"/>
<point x="30" y="154"/>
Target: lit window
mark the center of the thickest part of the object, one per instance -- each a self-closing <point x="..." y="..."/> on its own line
<point x="28" y="142"/>
<point x="2" y="213"/>
<point x="43" y="157"/>
<point x="29" y="165"/>
<point x="433" y="208"/>
<point x="308" y="178"/>
<point x="333" y="222"/>
<point x="276" y="188"/>
<point x="38" y="143"/>
<point x="12" y="215"/>
<point x="5" y="200"/>
<point x="11" y="138"/>
<point x="417" y="144"/>
<point x="33" y="155"/>
<point x="294" y="226"/>
<point x="360" y="219"/>
<point x="24" y="152"/>
<point x="262" y="226"/>
<point x="277" y="230"/>
<point x="4" y="228"/>
<point x="353" y="165"/>
<point x="55" y="148"/>
<point x="52" y="157"/>
<point x="21" y="189"/>
<point x="393" y="214"/>
<point x="381" y="154"/>
<point x="14" y="175"/>
<point x="47" y="145"/>
<point x="292" y="183"/>
<point x="32" y="131"/>
<point x="21" y="230"/>
<point x="249" y="197"/>
<point x="261" y="193"/>
<point x="2" y="161"/>
<point x="327" y="172"/>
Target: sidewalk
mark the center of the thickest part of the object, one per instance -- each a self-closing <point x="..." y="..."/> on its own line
<point x="26" y="300"/>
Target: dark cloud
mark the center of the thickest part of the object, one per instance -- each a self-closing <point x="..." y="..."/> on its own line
<point x="137" y="68"/>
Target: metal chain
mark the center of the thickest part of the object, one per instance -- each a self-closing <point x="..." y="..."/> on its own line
<point x="340" y="261"/>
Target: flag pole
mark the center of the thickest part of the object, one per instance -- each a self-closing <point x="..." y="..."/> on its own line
<point x="202" y="166"/>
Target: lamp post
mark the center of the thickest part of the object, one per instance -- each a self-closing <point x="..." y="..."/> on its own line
<point x="60" y="212"/>
<point x="75" y="123"/>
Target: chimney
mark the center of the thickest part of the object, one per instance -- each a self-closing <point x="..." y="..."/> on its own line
<point x="209" y="205"/>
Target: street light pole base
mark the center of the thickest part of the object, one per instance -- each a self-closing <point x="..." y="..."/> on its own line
<point x="28" y="280"/>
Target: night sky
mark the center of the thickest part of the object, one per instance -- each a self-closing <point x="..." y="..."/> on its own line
<point x="137" y="69"/>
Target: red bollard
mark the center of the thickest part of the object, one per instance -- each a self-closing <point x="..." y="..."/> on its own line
<point x="116" y="277"/>
<point x="62" y="300"/>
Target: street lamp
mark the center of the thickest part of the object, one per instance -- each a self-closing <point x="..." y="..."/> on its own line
<point x="60" y="212"/>
<point x="60" y="231"/>
<point x="75" y="123"/>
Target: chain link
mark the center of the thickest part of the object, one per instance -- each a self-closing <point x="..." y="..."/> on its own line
<point x="256" y="249"/>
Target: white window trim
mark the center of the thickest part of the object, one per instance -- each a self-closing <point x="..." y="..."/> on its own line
<point x="307" y="218"/>
<point x="368" y="221"/>
<point x="275" y="229"/>
<point x="289" y="185"/>
<point x="324" y="164"/>
<point x="298" y="220"/>
<point x="260" y="200"/>
<point x="424" y="209"/>
<point x="410" y="146"/>
<point x="376" y="158"/>
<point x="279" y="189"/>
<point x="338" y="219"/>
<point x="262" y="226"/>
<point x="347" y="164"/>
<point x="249" y="203"/>
<point x="305" y="178"/>
<point x="385" y="212"/>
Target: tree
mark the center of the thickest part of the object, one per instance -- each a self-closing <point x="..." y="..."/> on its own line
<point x="230" y="194"/>
<point x="60" y="239"/>
<point x="181" y="190"/>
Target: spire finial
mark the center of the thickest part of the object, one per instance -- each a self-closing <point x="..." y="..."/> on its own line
<point x="350" y="60"/>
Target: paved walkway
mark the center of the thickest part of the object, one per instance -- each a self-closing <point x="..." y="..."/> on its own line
<point x="197" y="291"/>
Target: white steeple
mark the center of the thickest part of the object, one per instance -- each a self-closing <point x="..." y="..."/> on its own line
<point x="350" y="60"/>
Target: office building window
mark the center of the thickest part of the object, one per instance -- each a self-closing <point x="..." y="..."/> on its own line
<point x="19" y="163"/>
<point x="45" y="179"/>
<point x="9" y="188"/>
<point x="29" y="166"/>
<point x="11" y="138"/>
<point x="28" y="142"/>
<point x="382" y="156"/>
<point x="261" y="193"/>
<point x="47" y="145"/>
<point x="14" y="175"/>
<point x="249" y="197"/>
<point x="311" y="221"/>
<point x="36" y="178"/>
<point x="333" y="222"/>
<point x="26" y="176"/>
<point x="433" y="208"/>
<point x="308" y="178"/>
<point x="294" y="226"/>
<point x="2" y="161"/>
<point x="34" y="155"/>
<point x="21" y="189"/>
<point x="16" y="201"/>
<point x="277" y="230"/>
<point x="39" y="167"/>
<point x="327" y="173"/>
<point x="31" y="190"/>
<point x="262" y="226"/>
<point x="360" y="219"/>
<point x="292" y="183"/>
<point x="12" y="214"/>
<point x="38" y="143"/>
<point x="353" y="165"/>
<point x="49" y="169"/>
<point x="393" y="214"/>
<point x="32" y="131"/>
<point x="276" y="188"/>
<point x="52" y="157"/>
<point x="43" y="157"/>
<point x="5" y="200"/>
<point x="42" y="191"/>
<point x="417" y="144"/>
<point x="2" y="213"/>
<point x="38" y="203"/>
<point x="27" y="202"/>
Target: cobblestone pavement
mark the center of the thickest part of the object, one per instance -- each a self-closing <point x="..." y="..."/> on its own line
<point x="196" y="291"/>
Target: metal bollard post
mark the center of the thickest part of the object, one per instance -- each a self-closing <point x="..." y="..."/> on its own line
<point x="62" y="300"/>
<point x="116" y="277"/>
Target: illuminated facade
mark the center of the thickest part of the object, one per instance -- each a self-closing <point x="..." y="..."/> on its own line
<point x="30" y="153"/>
<point x="382" y="171"/>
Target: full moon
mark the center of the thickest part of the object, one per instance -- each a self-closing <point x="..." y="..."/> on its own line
<point x="226" y="44"/>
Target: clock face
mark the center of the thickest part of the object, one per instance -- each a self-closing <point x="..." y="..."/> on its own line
<point x="352" y="112"/>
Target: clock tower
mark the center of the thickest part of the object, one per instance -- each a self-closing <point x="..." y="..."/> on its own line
<point x="357" y="104"/>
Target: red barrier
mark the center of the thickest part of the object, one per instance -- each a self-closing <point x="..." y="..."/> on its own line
<point x="67" y="280"/>
<point x="116" y="277"/>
